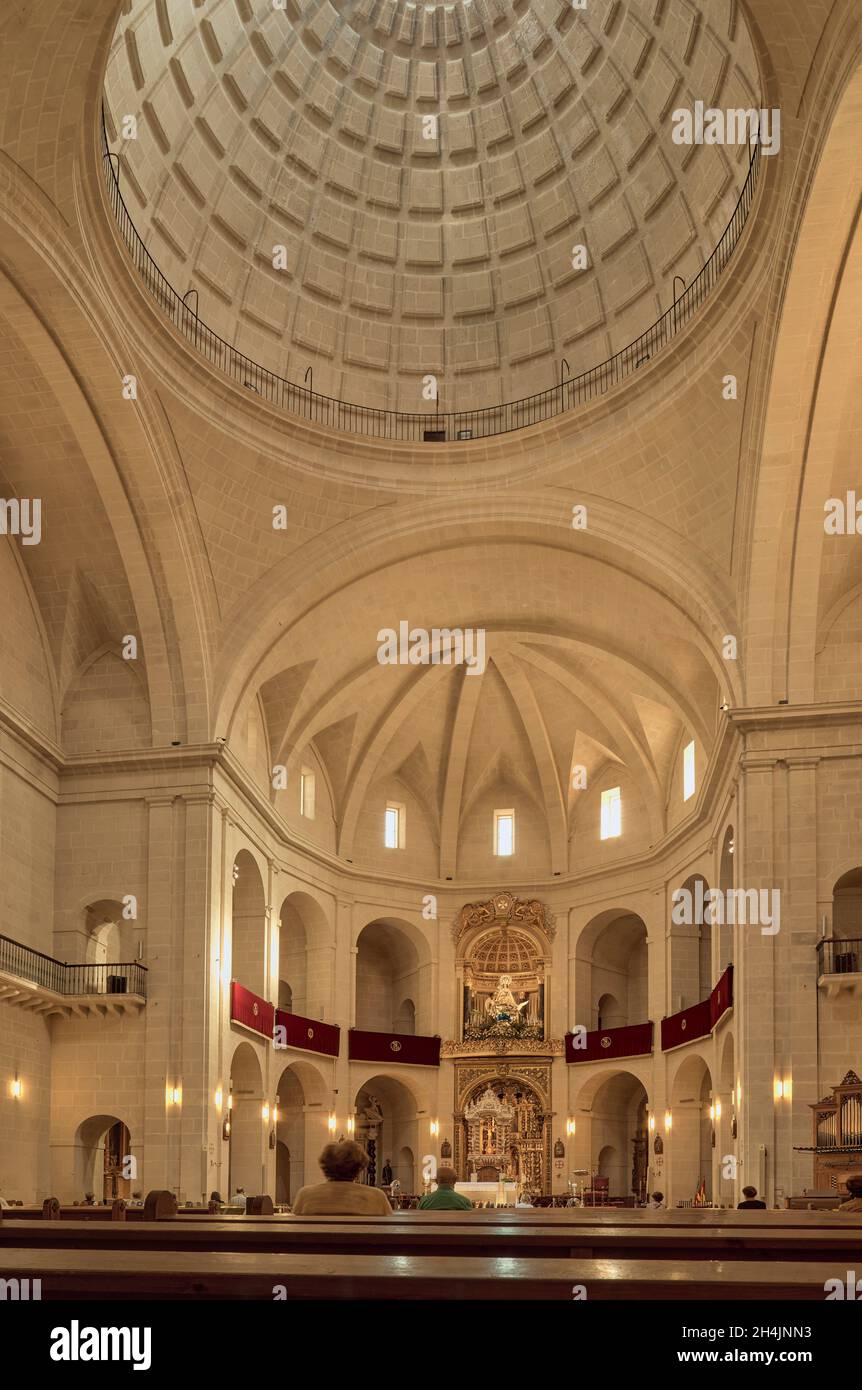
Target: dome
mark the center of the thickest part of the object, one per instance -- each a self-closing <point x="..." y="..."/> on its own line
<point x="383" y="192"/>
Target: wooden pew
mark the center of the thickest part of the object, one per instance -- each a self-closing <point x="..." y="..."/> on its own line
<point x="127" y="1274"/>
<point x="572" y="1216"/>
<point x="380" y="1236"/>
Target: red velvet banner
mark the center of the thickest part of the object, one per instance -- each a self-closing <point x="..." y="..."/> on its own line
<point x="250" y="1010"/>
<point x="308" y="1033"/>
<point x="721" y="998"/>
<point x="633" y="1041"/>
<point x="393" y="1047"/>
<point x="680" y="1028"/>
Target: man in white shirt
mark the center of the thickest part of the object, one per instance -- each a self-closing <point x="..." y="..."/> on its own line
<point x="657" y="1202"/>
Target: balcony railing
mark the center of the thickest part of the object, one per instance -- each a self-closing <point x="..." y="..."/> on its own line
<point x="78" y="980"/>
<point x="432" y="426"/>
<point x="839" y="955"/>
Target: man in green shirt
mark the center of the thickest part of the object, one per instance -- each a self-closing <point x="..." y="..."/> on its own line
<point x="445" y="1198"/>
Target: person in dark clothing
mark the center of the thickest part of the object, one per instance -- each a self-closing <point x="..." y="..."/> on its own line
<point x="752" y="1201"/>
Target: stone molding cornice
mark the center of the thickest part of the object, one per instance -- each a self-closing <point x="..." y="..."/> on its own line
<point x="767" y="717"/>
<point x="208" y="758"/>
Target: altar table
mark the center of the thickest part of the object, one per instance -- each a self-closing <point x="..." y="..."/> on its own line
<point x="487" y="1191"/>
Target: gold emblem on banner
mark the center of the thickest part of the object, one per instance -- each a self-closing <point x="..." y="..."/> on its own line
<point x="395" y="1046"/>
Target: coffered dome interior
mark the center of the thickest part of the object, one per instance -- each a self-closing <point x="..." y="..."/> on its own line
<point x="428" y="171"/>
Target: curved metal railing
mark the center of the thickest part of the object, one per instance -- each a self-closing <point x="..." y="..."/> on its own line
<point x="430" y="426"/>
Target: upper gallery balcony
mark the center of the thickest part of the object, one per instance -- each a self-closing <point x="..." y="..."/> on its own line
<point x="839" y="965"/>
<point x="31" y="980"/>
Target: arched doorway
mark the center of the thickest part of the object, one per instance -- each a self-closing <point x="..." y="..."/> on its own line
<point x="104" y="1163"/>
<point x="104" y="926"/>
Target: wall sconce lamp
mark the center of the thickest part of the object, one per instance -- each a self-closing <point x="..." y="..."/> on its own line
<point x="330" y="1123"/>
<point x="264" y="1112"/>
<point x="16" y="1088"/>
<point x="652" y="1124"/>
<point x="668" y="1121"/>
<point x="434" y="1127"/>
<point x="783" y="1090"/>
<point x="571" y="1127"/>
<point x="219" y="1098"/>
<point x="351" y="1125"/>
<point x="174" y="1095"/>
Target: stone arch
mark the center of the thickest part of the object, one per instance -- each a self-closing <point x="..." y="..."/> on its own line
<point x="847" y="905"/>
<point x="612" y="1121"/>
<point x="102" y="1147"/>
<point x="691" y="1095"/>
<point x="400" y="1127"/>
<point x="248" y="924"/>
<point x="305" y="958"/>
<point x="391" y="964"/>
<point x="690" y="945"/>
<point x="245" y="1165"/>
<point x="612" y="964"/>
<point x="301" y="1097"/>
<point x="811" y="426"/>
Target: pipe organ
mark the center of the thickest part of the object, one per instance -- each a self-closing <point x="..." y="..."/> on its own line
<point x="837" y="1134"/>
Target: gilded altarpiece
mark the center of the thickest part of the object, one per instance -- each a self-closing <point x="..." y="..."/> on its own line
<point x="519" y="1148"/>
<point x="503" y="1057"/>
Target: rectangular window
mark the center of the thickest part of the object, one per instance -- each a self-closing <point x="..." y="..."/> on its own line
<point x="306" y="793"/>
<point x="688" y="771"/>
<point x="393" y="826"/>
<point x="504" y="832"/>
<point x="612" y="814"/>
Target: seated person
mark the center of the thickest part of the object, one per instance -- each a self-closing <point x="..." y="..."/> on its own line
<point x="752" y="1201"/>
<point x="136" y="1199"/>
<point x="341" y="1194"/>
<point x="656" y="1202"/>
<point x="854" y="1187"/>
<point x="238" y="1200"/>
<point x="445" y="1198"/>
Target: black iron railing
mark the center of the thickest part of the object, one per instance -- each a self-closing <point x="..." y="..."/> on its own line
<point x="837" y="956"/>
<point x="48" y="973"/>
<point x="428" y="426"/>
